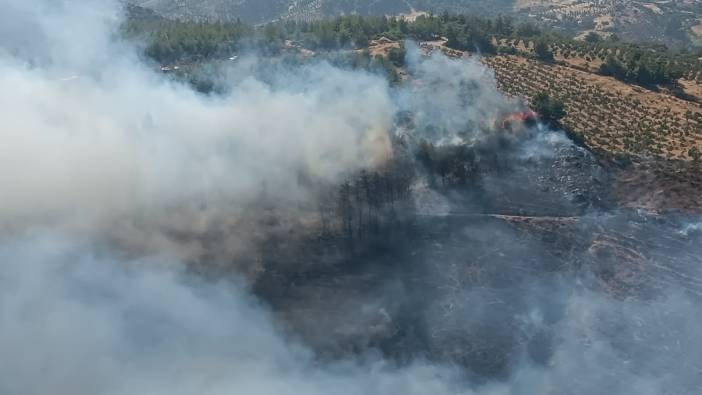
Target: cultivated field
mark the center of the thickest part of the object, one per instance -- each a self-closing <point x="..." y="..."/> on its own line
<point x="608" y="114"/>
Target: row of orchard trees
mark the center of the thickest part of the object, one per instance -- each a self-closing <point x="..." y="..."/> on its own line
<point x="635" y="63"/>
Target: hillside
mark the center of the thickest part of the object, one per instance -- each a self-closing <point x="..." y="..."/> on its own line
<point x="673" y="23"/>
<point x="266" y="10"/>
<point x="250" y="11"/>
<point x="258" y="11"/>
<point x="667" y="22"/>
<point x="609" y="114"/>
<point x="440" y="204"/>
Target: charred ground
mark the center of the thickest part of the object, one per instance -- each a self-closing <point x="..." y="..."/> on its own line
<point x="481" y="246"/>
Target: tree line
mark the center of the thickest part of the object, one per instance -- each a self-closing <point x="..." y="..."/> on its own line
<point x="367" y="202"/>
<point x="639" y="67"/>
<point x="168" y="41"/>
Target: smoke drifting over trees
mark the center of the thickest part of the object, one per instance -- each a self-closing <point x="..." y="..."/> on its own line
<point x="368" y="238"/>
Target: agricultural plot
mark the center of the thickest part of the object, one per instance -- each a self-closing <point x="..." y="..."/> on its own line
<point x="608" y="114"/>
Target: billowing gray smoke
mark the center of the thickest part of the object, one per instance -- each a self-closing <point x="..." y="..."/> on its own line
<point x="75" y="321"/>
<point x="116" y="180"/>
<point x="94" y="139"/>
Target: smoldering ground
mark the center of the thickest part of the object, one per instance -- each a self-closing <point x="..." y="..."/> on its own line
<point x="116" y="180"/>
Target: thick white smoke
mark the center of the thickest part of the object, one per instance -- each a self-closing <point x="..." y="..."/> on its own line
<point x="75" y="321"/>
<point x="90" y="131"/>
<point x="95" y="140"/>
<point x="453" y="100"/>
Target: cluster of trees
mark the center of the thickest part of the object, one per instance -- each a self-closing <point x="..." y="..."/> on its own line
<point x="549" y="109"/>
<point x="542" y="51"/>
<point x="372" y="200"/>
<point x="352" y="31"/>
<point x="463" y="32"/>
<point x="168" y="41"/>
<point x="367" y="201"/>
<point x="452" y="165"/>
<point x="644" y="64"/>
<point x="640" y="67"/>
<point x="475" y="33"/>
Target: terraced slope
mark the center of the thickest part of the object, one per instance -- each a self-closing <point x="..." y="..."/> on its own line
<point x="608" y="114"/>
